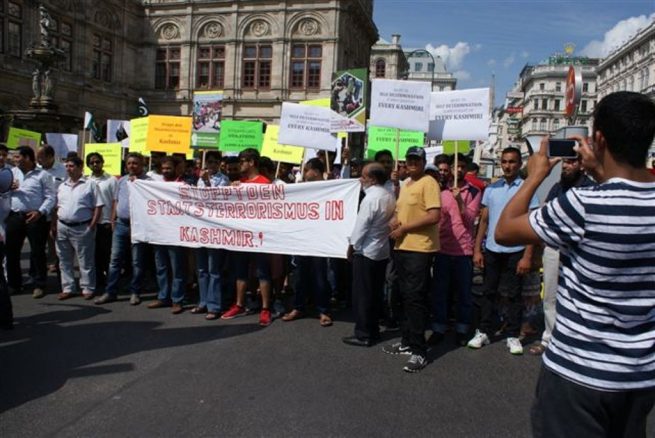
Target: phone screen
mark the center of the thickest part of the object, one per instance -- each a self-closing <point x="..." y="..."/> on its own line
<point x="561" y="148"/>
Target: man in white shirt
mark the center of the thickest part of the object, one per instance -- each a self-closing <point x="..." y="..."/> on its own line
<point x="74" y="220"/>
<point x="45" y="157"/>
<point x="32" y="199"/>
<point x="370" y="252"/>
<point x="106" y="192"/>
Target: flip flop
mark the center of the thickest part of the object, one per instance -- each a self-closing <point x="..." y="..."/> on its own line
<point x="210" y="316"/>
<point x="537" y="350"/>
<point x="292" y="316"/>
<point x="325" y="320"/>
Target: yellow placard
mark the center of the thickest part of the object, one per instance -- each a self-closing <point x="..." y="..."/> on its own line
<point x="279" y="152"/>
<point x="170" y="134"/>
<point x="139" y="135"/>
<point x="111" y="154"/>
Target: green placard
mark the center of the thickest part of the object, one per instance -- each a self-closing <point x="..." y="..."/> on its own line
<point x="239" y="135"/>
<point x="22" y="137"/>
<point x="463" y="146"/>
<point x="385" y="138"/>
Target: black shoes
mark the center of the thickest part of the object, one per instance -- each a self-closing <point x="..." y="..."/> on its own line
<point x="358" y="342"/>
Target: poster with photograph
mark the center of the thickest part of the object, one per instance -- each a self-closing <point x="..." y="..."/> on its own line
<point x="348" y="99"/>
<point x="207" y="108"/>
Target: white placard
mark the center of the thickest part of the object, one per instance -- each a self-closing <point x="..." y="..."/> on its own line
<point x="313" y="219"/>
<point x="431" y="152"/>
<point x="113" y="127"/>
<point x="400" y="104"/>
<point x="459" y="115"/>
<point x="306" y="126"/>
<point x="62" y="143"/>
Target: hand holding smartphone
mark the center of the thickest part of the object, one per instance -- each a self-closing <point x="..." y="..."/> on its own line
<point x="562" y="149"/>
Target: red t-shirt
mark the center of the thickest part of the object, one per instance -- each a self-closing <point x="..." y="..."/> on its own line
<point x="652" y="170"/>
<point x="259" y="179"/>
<point x="474" y="181"/>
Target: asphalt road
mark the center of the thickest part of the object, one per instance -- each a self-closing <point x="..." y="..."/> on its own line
<point x="73" y="369"/>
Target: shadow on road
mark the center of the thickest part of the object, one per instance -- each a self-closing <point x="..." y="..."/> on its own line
<point x="49" y="348"/>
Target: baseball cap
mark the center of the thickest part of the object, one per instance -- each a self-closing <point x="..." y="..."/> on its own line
<point x="415" y="151"/>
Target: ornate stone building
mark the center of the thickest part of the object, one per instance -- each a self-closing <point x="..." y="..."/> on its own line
<point x="388" y="60"/>
<point x="260" y="52"/>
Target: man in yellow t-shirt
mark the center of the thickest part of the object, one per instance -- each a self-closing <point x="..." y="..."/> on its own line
<point x="416" y="235"/>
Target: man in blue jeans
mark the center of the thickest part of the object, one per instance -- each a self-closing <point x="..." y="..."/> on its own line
<point x="453" y="264"/>
<point x="121" y="240"/>
<point x="169" y="258"/>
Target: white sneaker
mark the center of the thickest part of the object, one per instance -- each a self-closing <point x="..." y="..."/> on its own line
<point x="514" y="345"/>
<point x="480" y="339"/>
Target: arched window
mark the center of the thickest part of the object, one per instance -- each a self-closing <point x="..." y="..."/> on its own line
<point x="380" y="68"/>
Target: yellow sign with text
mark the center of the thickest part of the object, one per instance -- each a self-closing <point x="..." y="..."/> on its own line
<point x="111" y="154"/>
<point x="170" y="134"/>
<point x="139" y="135"/>
<point x="279" y="152"/>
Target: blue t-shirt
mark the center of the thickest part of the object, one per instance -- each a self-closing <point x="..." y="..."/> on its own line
<point x="495" y="198"/>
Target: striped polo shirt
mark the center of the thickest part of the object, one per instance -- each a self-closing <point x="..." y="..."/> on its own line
<point x="604" y="336"/>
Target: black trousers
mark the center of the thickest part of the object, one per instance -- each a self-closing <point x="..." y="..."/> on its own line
<point x="565" y="409"/>
<point x="37" y="234"/>
<point x="103" y="254"/>
<point x="6" y="312"/>
<point x="414" y="283"/>
<point x="367" y="295"/>
<point x="500" y="280"/>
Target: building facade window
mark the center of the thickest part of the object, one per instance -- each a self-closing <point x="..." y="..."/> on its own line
<point x="430" y="67"/>
<point x="210" y="67"/>
<point x="534" y="124"/>
<point x="257" y="66"/>
<point x="585" y="87"/>
<point x="306" y="66"/>
<point x="167" y="68"/>
<point x="583" y="106"/>
<point x="418" y="66"/>
<point x="380" y="68"/>
<point x="62" y="37"/>
<point x="102" y="58"/>
<point x="558" y="86"/>
<point x="555" y="124"/>
<point x="542" y="86"/>
<point x="557" y="103"/>
<point x="542" y="124"/>
<point x="544" y="104"/>
<point x="11" y="28"/>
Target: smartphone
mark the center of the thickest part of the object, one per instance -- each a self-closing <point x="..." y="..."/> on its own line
<point x="562" y="149"/>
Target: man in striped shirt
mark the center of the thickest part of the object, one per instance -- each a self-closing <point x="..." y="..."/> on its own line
<point x="598" y="376"/>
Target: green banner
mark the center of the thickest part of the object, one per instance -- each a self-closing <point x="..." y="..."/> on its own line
<point x="463" y="146"/>
<point x="22" y="137"/>
<point x="385" y="138"/>
<point x="238" y="135"/>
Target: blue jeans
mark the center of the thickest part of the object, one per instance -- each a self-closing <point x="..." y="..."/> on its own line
<point x="452" y="271"/>
<point x="209" y="262"/>
<point x="121" y="243"/>
<point x="312" y="274"/>
<point x="170" y="258"/>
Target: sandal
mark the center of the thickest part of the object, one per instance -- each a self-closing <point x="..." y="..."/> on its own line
<point x="210" y="316"/>
<point x="537" y="350"/>
<point x="325" y="320"/>
<point x="293" y="315"/>
<point x="198" y="310"/>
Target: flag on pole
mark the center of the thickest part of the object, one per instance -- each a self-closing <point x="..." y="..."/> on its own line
<point x="142" y="107"/>
<point x="91" y="125"/>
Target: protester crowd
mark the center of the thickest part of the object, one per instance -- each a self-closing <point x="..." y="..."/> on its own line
<point x="433" y="249"/>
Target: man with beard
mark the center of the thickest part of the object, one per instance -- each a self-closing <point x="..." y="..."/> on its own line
<point x="572" y="176"/>
<point x="453" y="263"/>
<point x="505" y="267"/>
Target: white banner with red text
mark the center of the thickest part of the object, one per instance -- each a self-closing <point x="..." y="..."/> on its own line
<point x="313" y="218"/>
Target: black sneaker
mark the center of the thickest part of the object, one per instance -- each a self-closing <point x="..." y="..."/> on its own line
<point x="461" y="339"/>
<point x="415" y="363"/>
<point x="396" y="348"/>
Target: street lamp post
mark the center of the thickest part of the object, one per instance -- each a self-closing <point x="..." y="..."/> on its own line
<point x="422" y="52"/>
